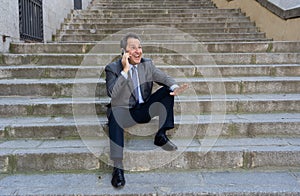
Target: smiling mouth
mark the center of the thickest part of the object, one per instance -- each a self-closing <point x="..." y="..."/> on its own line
<point x="136" y="58"/>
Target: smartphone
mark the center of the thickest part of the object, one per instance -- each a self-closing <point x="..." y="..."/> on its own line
<point x="123" y="52"/>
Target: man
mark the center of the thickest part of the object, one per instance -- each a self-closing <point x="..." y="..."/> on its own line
<point x="129" y="83"/>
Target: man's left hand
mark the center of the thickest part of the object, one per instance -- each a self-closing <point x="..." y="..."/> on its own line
<point x="179" y="90"/>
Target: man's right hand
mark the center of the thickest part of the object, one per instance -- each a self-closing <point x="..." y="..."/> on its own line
<point x="125" y="62"/>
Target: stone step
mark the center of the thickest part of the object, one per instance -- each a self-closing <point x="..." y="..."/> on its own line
<point x="184" y="183"/>
<point x="170" y="4"/>
<point x="144" y="1"/>
<point x="174" y="37"/>
<point x="125" y="4"/>
<point x="69" y="71"/>
<point x="85" y="15"/>
<point x="141" y="1"/>
<point x="145" y="7"/>
<point x="91" y="87"/>
<point x="180" y="58"/>
<point x="155" y="47"/>
<point x="157" y="11"/>
<point x="186" y="126"/>
<point x="180" y="26"/>
<point x="199" y="30"/>
<point x="134" y="20"/>
<point x="157" y="3"/>
<point x="150" y="3"/>
<point x="142" y="155"/>
<point x="261" y="103"/>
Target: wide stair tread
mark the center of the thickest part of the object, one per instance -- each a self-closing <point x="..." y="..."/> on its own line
<point x="96" y="71"/>
<point x="235" y="103"/>
<point x="150" y="47"/>
<point x="236" y="152"/>
<point x="246" y="183"/>
<point x="186" y="126"/>
<point x="183" y="58"/>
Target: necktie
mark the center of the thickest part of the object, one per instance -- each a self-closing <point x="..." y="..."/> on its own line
<point x="135" y="82"/>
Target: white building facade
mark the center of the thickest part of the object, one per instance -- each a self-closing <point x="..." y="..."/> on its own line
<point x="53" y="12"/>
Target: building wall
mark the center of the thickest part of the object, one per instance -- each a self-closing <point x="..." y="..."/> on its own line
<point x="9" y="23"/>
<point x="54" y="12"/>
<point x="272" y="25"/>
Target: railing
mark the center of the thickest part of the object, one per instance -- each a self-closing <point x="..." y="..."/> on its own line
<point x="31" y="20"/>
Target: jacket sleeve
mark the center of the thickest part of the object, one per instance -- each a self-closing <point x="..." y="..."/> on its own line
<point x="161" y="77"/>
<point x="115" y="81"/>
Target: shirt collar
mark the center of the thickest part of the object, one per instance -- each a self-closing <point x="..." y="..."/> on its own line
<point x="131" y="66"/>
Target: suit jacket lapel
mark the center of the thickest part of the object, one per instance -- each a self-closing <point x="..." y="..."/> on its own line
<point x="130" y="84"/>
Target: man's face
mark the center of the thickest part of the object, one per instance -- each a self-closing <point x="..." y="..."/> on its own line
<point x="135" y="51"/>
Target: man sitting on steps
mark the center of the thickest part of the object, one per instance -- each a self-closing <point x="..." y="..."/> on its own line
<point x="129" y="83"/>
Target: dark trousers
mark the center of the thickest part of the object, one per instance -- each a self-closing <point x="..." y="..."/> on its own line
<point x="160" y="104"/>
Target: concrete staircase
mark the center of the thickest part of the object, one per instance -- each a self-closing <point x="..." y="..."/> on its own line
<point x="200" y="19"/>
<point x="237" y="126"/>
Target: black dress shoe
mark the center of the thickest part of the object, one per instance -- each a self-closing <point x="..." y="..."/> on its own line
<point x="163" y="141"/>
<point x="118" y="179"/>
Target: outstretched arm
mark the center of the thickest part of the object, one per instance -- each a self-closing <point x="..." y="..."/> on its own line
<point x="163" y="78"/>
<point x="179" y="89"/>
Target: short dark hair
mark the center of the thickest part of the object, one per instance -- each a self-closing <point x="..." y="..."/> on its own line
<point x="123" y="43"/>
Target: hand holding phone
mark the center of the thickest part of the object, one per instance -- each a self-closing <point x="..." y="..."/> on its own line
<point x="122" y="52"/>
<point x="125" y="60"/>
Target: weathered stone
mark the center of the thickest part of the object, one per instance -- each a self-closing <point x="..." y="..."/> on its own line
<point x="4" y="164"/>
<point x="240" y="112"/>
<point x="143" y="155"/>
<point x="156" y="183"/>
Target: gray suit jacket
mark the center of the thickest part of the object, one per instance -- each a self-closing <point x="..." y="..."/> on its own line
<point x="120" y="89"/>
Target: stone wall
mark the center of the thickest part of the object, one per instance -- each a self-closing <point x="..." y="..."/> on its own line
<point x="9" y="23"/>
<point x="282" y="8"/>
<point x="54" y="13"/>
<point x="271" y="24"/>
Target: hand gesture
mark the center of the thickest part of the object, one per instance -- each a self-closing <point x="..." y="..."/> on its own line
<point x="179" y="90"/>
